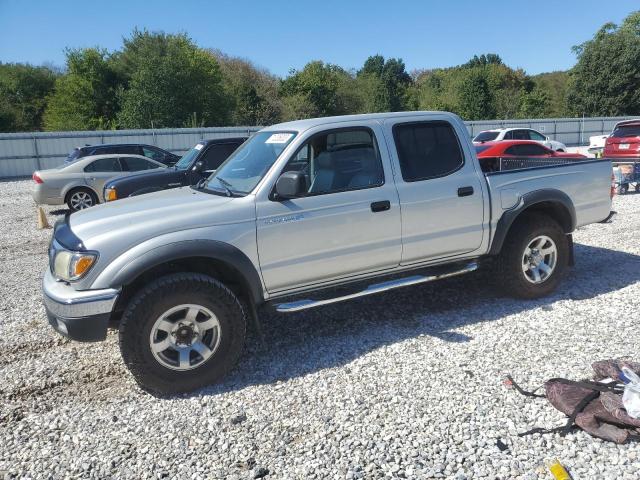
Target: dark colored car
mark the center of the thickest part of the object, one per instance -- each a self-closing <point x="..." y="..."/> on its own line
<point x="624" y="141"/>
<point x="198" y="163"/>
<point x="149" y="151"/>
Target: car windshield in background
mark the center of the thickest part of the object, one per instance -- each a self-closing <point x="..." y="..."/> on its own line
<point x="244" y="169"/>
<point x="626" y="131"/>
<point x="188" y="157"/>
<point x="482" y="148"/>
<point x="486" y="136"/>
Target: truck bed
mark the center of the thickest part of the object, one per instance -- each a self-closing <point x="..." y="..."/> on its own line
<point x="587" y="182"/>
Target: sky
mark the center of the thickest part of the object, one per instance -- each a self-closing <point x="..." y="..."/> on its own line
<point x="280" y="35"/>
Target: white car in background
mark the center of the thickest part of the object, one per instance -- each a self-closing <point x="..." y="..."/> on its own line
<point x="79" y="184"/>
<point x="498" y="134"/>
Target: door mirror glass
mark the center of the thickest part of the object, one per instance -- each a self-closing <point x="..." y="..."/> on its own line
<point x="290" y="185"/>
<point x="198" y="167"/>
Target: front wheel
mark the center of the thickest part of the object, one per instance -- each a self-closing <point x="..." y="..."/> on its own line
<point x="533" y="257"/>
<point x="182" y="332"/>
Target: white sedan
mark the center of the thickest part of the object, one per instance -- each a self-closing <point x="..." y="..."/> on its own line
<point x="519" y="134"/>
<point x="79" y="184"/>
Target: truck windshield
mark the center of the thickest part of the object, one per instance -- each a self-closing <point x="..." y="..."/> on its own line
<point x="486" y="136"/>
<point x="244" y="169"/>
<point x="188" y="157"/>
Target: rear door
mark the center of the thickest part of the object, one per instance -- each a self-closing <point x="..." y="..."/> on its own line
<point x="440" y="190"/>
<point x="101" y="170"/>
<point x="346" y="223"/>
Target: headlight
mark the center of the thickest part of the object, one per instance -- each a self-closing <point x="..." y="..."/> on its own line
<point x="110" y="194"/>
<point x="70" y="266"/>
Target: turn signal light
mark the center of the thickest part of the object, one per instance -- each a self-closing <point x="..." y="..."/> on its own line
<point x="110" y="194"/>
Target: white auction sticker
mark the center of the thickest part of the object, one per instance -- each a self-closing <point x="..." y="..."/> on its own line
<point x="198" y="146"/>
<point x="279" y="138"/>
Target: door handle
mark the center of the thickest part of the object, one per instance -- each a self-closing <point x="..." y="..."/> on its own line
<point x="465" y="191"/>
<point x="380" y="206"/>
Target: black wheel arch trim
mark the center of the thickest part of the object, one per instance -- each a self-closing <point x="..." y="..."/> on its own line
<point x="547" y="195"/>
<point x="225" y="253"/>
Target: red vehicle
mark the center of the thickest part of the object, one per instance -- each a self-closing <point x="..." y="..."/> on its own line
<point x="624" y="141"/>
<point x="519" y="148"/>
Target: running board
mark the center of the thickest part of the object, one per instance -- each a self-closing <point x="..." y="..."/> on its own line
<point x="373" y="289"/>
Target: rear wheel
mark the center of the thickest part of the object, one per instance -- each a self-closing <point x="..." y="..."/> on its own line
<point x="81" y="198"/>
<point x="623" y="188"/>
<point x="182" y="332"/>
<point x="533" y="257"/>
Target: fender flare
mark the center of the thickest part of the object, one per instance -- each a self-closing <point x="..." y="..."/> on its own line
<point x="229" y="255"/>
<point x="546" y="195"/>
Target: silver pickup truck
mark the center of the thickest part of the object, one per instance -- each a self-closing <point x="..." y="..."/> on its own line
<point x="304" y="214"/>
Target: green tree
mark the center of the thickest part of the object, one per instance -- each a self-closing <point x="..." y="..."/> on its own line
<point x="476" y="99"/>
<point x="606" y="79"/>
<point x="23" y="92"/>
<point x="554" y="85"/>
<point x="84" y="98"/>
<point x="253" y="92"/>
<point x="318" y="90"/>
<point x="172" y="83"/>
<point x="383" y="84"/>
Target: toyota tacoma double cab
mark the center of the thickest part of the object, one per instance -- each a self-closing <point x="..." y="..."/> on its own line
<point x="305" y="214"/>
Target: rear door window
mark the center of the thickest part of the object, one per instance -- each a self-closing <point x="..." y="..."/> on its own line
<point x="427" y="150"/>
<point x="104" y="165"/>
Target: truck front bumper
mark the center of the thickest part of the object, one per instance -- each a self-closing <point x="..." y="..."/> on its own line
<point x="78" y="315"/>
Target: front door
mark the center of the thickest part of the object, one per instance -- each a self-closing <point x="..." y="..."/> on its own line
<point x="346" y="222"/>
<point x="440" y="191"/>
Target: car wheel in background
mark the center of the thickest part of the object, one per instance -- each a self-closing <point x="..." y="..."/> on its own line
<point x="81" y="198"/>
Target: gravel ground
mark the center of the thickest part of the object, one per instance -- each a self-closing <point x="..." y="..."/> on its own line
<point x="407" y="384"/>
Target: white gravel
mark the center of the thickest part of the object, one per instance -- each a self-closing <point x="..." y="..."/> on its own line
<point x="408" y="384"/>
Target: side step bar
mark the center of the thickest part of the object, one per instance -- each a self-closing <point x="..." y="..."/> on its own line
<point x="373" y="289"/>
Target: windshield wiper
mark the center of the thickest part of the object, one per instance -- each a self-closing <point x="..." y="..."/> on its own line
<point x="226" y="186"/>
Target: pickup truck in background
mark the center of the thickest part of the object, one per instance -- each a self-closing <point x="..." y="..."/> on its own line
<point x="304" y="214"/>
<point x="194" y="166"/>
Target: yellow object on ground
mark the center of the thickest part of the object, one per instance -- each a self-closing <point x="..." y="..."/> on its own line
<point x="42" y="219"/>
<point x="558" y="471"/>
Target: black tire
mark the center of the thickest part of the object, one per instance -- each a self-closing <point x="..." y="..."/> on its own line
<point x="560" y="150"/>
<point x="160" y="296"/>
<point x="509" y="264"/>
<point x="80" y="191"/>
<point x="623" y="188"/>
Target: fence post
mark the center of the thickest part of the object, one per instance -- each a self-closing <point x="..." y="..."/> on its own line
<point x="35" y="150"/>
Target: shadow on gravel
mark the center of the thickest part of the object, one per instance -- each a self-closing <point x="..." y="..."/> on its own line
<point x="330" y="336"/>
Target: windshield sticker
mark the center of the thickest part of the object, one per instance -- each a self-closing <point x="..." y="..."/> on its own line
<point x="279" y="138"/>
<point x="198" y="146"/>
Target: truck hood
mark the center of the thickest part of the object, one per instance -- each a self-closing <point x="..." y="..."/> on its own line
<point x="133" y="220"/>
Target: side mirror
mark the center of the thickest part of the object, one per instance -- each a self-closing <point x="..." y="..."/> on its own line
<point x="198" y="167"/>
<point x="290" y="185"/>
